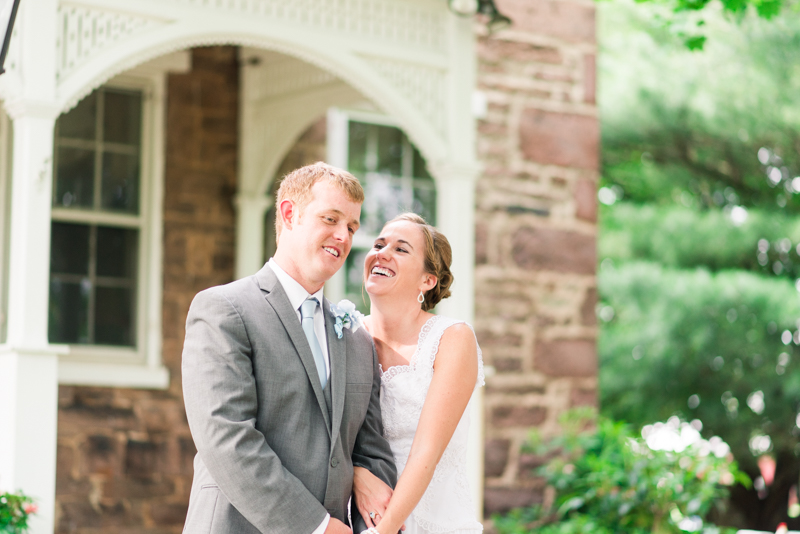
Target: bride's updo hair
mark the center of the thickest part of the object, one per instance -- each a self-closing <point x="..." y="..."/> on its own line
<point x="438" y="258"/>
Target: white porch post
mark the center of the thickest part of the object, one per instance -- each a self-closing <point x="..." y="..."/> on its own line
<point x="456" y="219"/>
<point x="250" y="212"/>
<point x="28" y="364"/>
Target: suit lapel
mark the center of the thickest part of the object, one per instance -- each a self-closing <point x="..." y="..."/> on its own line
<point x="277" y="298"/>
<point x="337" y="352"/>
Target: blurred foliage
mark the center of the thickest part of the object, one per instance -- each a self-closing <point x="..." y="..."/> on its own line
<point x="707" y="346"/>
<point x="699" y="236"/>
<point x="681" y="237"/>
<point x="608" y="480"/>
<point x="686" y="19"/>
<point x="15" y="510"/>
<point x="687" y="128"/>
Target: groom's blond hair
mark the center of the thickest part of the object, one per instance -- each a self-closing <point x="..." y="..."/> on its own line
<point x="296" y="186"/>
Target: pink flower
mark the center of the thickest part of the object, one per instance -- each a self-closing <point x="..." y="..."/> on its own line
<point x="30" y="508"/>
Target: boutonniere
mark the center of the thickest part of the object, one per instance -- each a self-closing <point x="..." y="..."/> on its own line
<point x="347" y="316"/>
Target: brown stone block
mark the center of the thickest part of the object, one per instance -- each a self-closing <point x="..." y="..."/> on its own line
<point x="528" y="464"/>
<point x="517" y="416"/>
<point x="108" y="417"/>
<point x="566" y="357"/>
<point x="507" y="365"/>
<point x="489" y="339"/>
<point x="589" y="79"/>
<point x="588" y="315"/>
<point x="481" y="243"/>
<point x="77" y="516"/>
<point x="571" y="21"/>
<point x="143" y="458"/>
<point x="586" y="200"/>
<point x="164" y="514"/>
<point x="187" y="454"/>
<point x="501" y="500"/>
<point x="120" y="488"/>
<point x="583" y="397"/>
<point x="544" y="249"/>
<point x="496" y="457"/>
<point x="562" y="139"/>
<point x="495" y="50"/>
<point x="101" y="455"/>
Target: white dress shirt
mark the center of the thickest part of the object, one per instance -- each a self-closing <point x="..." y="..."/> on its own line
<point x="297" y="295"/>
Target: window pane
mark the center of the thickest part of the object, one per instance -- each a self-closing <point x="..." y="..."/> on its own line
<point x="79" y="123"/>
<point x="383" y="200"/>
<point x="74" y="178"/>
<point x="357" y="148"/>
<point x="120" y="182"/>
<point x="69" y="248"/>
<point x="116" y="252"/>
<point x="354" y="277"/>
<point x="420" y="166"/>
<point x="390" y="150"/>
<point x="113" y="316"/>
<point x="68" y="313"/>
<point x="122" y="119"/>
<point x="425" y="202"/>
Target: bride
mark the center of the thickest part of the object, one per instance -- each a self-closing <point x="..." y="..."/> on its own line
<point x="430" y="366"/>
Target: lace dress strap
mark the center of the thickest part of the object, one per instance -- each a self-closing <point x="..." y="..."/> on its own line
<point x="429" y="345"/>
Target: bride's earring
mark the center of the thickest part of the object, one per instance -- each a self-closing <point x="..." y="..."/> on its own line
<point x="421" y="297"/>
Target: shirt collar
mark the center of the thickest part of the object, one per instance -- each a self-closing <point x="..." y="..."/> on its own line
<point x="296" y="292"/>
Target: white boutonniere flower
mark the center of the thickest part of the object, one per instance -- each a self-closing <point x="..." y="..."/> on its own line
<point x="347" y="316"/>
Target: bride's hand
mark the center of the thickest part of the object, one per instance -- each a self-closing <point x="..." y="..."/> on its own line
<point x="372" y="495"/>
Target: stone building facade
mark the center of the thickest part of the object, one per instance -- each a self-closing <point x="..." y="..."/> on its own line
<point x="125" y="455"/>
<point x="536" y="233"/>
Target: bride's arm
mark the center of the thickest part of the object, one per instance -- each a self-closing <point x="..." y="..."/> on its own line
<point x="455" y="373"/>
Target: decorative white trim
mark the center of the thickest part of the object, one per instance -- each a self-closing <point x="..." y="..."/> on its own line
<point x="422" y="85"/>
<point x="83" y="32"/>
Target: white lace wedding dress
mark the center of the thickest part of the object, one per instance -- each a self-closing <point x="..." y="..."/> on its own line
<point x="446" y="506"/>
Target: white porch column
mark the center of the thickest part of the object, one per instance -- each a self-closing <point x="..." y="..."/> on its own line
<point x="455" y="191"/>
<point x="28" y="364"/>
<point x="250" y="212"/>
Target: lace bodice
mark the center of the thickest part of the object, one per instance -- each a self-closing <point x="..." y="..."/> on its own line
<point x="446" y="506"/>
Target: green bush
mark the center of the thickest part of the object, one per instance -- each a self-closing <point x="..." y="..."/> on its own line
<point x="717" y="347"/>
<point x="609" y="480"/>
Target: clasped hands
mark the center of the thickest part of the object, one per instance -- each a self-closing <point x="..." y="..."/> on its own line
<point x="372" y="497"/>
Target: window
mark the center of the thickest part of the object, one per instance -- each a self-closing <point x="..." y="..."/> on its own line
<point x="97" y="221"/>
<point x="105" y="247"/>
<point x="395" y="179"/>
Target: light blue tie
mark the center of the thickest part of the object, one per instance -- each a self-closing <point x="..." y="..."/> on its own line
<point x="307" y="310"/>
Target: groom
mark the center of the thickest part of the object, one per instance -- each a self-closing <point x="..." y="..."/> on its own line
<point x="279" y="406"/>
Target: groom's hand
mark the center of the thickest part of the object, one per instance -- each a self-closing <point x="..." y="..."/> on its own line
<point x="337" y="527"/>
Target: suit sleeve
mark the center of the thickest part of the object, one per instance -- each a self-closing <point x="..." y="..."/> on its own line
<point x="221" y="405"/>
<point x="371" y="449"/>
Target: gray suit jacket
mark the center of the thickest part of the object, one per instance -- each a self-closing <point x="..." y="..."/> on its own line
<point x="270" y="459"/>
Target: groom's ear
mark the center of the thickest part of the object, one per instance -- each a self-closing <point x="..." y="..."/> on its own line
<point x="286" y="212"/>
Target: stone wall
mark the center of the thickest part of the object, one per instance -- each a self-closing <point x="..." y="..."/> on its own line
<point x="125" y="456"/>
<point x="536" y="232"/>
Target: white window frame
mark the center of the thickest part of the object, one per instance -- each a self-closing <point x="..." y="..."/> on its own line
<point x="139" y="367"/>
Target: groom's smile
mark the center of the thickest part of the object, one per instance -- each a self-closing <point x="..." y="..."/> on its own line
<point x="316" y="240"/>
